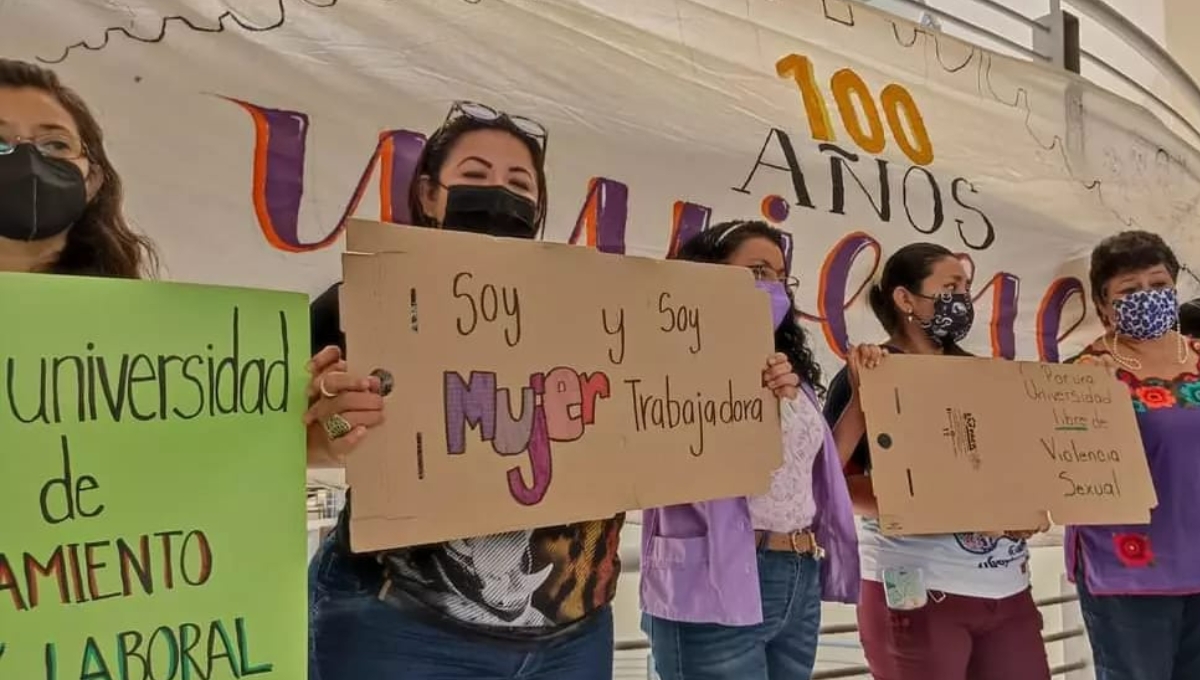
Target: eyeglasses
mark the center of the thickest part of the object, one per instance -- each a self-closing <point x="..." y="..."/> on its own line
<point x="59" y="145"/>
<point x="765" y="273"/>
<point x="486" y="114"/>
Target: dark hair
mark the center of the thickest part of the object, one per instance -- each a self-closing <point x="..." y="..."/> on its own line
<point x="716" y="245"/>
<point x="101" y="242"/>
<point x="1189" y="318"/>
<point x="1128" y="251"/>
<point x="442" y="141"/>
<point x="907" y="268"/>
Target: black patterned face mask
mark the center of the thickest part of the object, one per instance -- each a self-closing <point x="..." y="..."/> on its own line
<point x="953" y="314"/>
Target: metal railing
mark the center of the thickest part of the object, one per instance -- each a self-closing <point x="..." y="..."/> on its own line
<point x="1055" y="38"/>
<point x="860" y="671"/>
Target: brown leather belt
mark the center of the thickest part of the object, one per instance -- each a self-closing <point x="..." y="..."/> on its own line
<point x="802" y="542"/>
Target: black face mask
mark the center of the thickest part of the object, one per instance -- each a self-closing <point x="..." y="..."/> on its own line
<point x="40" y="197"/>
<point x="491" y="210"/>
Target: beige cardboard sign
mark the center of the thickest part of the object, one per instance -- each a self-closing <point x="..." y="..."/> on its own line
<point x="967" y="444"/>
<point x="538" y="384"/>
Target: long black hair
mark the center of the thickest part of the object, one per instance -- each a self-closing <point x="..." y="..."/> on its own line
<point x="716" y="245"/>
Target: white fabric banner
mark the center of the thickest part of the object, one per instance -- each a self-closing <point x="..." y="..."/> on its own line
<point x="248" y="130"/>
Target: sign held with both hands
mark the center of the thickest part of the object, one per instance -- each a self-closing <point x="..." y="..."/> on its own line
<point x="968" y="444"/>
<point x="539" y="384"/>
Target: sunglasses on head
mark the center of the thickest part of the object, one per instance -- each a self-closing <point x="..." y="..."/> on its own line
<point x="486" y="114"/>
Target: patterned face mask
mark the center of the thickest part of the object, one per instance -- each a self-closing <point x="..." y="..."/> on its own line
<point x="953" y="314"/>
<point x="1147" y="314"/>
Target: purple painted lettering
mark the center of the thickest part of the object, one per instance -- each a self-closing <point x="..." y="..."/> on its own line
<point x="601" y="221"/>
<point x="472" y="404"/>
<point x="512" y="432"/>
<point x="1050" y="314"/>
<point x="277" y="190"/>
<point x="687" y="220"/>
<point x="834" y="282"/>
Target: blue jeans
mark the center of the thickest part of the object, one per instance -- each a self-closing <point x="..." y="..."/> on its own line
<point x="782" y="647"/>
<point x="1143" y="637"/>
<point x="355" y="636"/>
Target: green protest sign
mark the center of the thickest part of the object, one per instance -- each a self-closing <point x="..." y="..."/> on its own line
<point x="152" y="473"/>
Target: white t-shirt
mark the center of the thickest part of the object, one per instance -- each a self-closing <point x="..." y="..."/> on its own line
<point x="959" y="564"/>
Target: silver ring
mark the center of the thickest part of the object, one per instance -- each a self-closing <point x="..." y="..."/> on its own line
<point x="336" y="426"/>
<point x="324" y="392"/>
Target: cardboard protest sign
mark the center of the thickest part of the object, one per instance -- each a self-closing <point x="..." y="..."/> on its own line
<point x="537" y="384"/>
<point x="152" y="471"/>
<point x="965" y="444"/>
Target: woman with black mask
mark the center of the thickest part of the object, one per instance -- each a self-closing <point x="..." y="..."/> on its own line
<point x="944" y="607"/>
<point x="527" y="604"/>
<point x="60" y="197"/>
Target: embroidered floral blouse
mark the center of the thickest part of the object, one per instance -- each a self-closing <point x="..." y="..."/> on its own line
<point x="1162" y="557"/>
<point x="788" y="506"/>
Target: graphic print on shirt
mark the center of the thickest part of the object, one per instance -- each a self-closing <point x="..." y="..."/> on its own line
<point x="538" y="579"/>
<point x="991" y="549"/>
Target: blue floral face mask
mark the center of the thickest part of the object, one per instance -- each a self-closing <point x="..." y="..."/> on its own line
<point x="1147" y="314"/>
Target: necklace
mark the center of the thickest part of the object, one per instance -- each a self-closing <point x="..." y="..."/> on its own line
<point x="1135" y="364"/>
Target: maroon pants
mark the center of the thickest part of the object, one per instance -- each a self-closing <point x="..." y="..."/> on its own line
<point x="955" y="638"/>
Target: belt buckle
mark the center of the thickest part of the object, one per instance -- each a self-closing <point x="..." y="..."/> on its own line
<point x="816" y="550"/>
<point x="794" y="537"/>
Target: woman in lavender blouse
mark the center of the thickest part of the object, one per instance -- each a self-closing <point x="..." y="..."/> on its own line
<point x="732" y="589"/>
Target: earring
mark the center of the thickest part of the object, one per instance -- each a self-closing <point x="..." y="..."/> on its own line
<point x="909" y="316"/>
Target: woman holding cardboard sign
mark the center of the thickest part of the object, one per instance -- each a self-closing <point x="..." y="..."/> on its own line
<point x="954" y="607"/>
<point x="1139" y="586"/>
<point x="529" y="604"/>
<point x="732" y="588"/>
<point x="60" y="196"/>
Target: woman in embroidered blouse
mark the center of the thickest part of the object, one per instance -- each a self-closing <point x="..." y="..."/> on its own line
<point x="1139" y="586"/>
<point x="732" y="589"/>
<point x="966" y="612"/>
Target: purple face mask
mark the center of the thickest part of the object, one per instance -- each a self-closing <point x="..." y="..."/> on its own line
<point x="781" y="304"/>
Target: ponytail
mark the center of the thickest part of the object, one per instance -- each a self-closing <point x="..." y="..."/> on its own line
<point x="884" y="308"/>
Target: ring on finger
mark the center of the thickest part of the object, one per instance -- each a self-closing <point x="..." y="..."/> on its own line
<point x="336" y="426"/>
<point x="324" y="390"/>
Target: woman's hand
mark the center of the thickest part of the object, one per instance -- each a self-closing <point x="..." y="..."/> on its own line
<point x="341" y="407"/>
<point x="1105" y="361"/>
<point x="863" y="357"/>
<point x="780" y="378"/>
<point x="1022" y="534"/>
